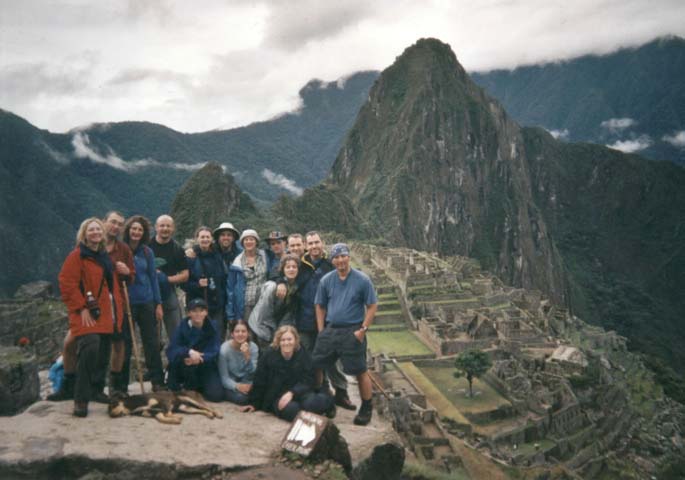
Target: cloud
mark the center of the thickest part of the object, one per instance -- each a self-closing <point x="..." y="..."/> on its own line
<point x="281" y="181"/>
<point x="159" y="10"/>
<point x="34" y="79"/>
<point x="562" y="134"/>
<point x="83" y="149"/>
<point x="677" y="139"/>
<point x="135" y="75"/>
<point x="631" y="146"/>
<point x="54" y="154"/>
<point x="234" y="63"/>
<point x="618" y="124"/>
<point x="291" y="25"/>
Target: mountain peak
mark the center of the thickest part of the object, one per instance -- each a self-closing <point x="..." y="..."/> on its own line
<point x="210" y="196"/>
<point x="436" y="164"/>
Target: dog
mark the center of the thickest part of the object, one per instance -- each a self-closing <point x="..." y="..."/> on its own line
<point x="161" y="405"/>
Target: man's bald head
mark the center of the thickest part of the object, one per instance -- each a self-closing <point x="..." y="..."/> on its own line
<point x="164" y="228"/>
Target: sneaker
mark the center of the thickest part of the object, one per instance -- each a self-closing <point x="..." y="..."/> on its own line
<point x="343" y="400"/>
<point x="363" y="416"/>
<point x="81" y="409"/>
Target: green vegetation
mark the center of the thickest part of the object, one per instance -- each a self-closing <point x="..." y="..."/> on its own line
<point x="471" y="364"/>
<point x="400" y="343"/>
<point x="434" y="395"/>
<point x="455" y="390"/>
<point x="421" y="471"/>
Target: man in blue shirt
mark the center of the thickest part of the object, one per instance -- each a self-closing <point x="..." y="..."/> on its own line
<point x="345" y="306"/>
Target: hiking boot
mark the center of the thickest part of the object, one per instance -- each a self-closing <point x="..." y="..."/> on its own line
<point x="331" y="412"/>
<point x="66" y="389"/>
<point x="364" y="415"/>
<point x="118" y="384"/>
<point x="99" y="396"/>
<point x="81" y="409"/>
<point x="343" y="400"/>
<point x="159" y="387"/>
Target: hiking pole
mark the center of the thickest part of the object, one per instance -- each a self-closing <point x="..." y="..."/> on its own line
<point x="378" y="385"/>
<point x="134" y="342"/>
<point x="159" y="335"/>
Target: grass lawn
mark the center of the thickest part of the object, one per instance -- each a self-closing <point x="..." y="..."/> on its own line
<point x="485" y="399"/>
<point x="453" y="300"/>
<point x="398" y="343"/>
<point x="434" y="396"/>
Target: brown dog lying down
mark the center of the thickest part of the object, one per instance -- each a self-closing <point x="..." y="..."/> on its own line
<point x="161" y="405"/>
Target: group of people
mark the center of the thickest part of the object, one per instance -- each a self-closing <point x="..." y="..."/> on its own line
<point x="268" y="329"/>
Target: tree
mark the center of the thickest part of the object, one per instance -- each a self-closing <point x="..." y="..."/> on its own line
<point x="472" y="364"/>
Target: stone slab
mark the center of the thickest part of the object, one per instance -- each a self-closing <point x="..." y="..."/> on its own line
<point x="47" y="430"/>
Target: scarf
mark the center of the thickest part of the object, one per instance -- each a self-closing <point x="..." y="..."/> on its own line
<point x="102" y="259"/>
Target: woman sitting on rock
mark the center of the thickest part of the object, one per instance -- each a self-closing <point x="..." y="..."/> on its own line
<point x="284" y="380"/>
<point x="90" y="290"/>
<point x="271" y="312"/>
<point x="237" y="364"/>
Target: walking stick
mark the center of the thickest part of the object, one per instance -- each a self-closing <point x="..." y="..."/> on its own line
<point x="378" y="386"/>
<point x="133" y="339"/>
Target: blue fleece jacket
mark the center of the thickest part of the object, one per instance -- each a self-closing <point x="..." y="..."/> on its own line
<point x="187" y="337"/>
<point x="145" y="288"/>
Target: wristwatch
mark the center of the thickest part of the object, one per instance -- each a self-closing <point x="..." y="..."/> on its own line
<point x="364" y="328"/>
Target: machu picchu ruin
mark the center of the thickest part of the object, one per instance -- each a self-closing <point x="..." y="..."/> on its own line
<point x="560" y="393"/>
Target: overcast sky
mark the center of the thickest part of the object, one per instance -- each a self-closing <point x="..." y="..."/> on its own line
<point x="196" y="66"/>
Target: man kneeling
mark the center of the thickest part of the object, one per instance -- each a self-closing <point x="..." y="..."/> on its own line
<point x="192" y="354"/>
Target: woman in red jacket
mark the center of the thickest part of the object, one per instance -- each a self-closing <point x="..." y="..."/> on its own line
<point x="90" y="290"/>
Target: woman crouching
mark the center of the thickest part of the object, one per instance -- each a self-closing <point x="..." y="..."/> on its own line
<point x="192" y="354"/>
<point x="90" y="290"/>
<point x="284" y="381"/>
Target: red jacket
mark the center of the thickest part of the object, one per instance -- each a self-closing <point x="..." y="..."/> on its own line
<point x="86" y="271"/>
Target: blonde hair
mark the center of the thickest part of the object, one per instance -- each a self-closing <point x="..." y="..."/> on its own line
<point x="81" y="234"/>
<point x="276" y="344"/>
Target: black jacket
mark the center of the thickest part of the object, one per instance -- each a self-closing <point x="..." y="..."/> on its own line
<point x="276" y="375"/>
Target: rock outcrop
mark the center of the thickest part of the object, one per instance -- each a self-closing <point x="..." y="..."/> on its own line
<point x="46" y="441"/>
<point x="19" y="383"/>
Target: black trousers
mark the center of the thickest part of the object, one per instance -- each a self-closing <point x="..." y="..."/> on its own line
<point x="144" y="316"/>
<point x="92" y="363"/>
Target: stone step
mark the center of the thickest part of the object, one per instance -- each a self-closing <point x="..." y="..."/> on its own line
<point x="392" y="316"/>
<point x="390" y="327"/>
<point x="385" y="288"/>
<point x="388" y="305"/>
<point x="387" y="296"/>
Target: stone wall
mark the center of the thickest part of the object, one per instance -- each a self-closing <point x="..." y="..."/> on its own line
<point x="43" y="322"/>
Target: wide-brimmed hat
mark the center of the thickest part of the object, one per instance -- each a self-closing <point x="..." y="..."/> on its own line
<point x="226" y="226"/>
<point x="249" y="233"/>
<point x="276" y="235"/>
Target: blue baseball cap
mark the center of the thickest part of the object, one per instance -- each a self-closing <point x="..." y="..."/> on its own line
<point x="196" y="303"/>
